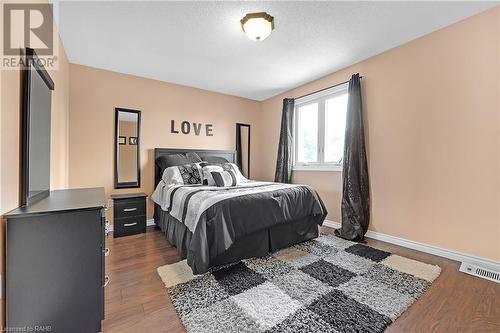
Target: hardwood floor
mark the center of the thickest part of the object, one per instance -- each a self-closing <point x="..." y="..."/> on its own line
<point x="137" y="301"/>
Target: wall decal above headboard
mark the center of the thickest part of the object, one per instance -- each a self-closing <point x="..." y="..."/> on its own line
<point x="186" y="126"/>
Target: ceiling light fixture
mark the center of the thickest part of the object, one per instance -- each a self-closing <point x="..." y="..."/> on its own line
<point x="257" y="26"/>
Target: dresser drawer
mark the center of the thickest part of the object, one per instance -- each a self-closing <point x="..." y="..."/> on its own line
<point x="129" y="207"/>
<point x="129" y="225"/>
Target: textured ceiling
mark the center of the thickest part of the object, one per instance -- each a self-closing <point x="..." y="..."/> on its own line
<point x="200" y="44"/>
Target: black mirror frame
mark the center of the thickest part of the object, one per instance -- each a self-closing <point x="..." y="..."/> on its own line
<point x="137" y="183"/>
<point x="32" y="61"/>
<point x="238" y="144"/>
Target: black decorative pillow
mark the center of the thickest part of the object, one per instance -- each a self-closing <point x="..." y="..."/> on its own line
<point x="190" y="173"/>
<point x="214" y="159"/>
<point x="224" y="178"/>
<point x="166" y="161"/>
<point x="193" y="157"/>
<point x="205" y="163"/>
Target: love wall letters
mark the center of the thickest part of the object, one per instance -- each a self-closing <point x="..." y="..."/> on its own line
<point x="186" y="127"/>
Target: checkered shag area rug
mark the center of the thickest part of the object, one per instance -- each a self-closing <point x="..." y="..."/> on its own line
<point x="324" y="285"/>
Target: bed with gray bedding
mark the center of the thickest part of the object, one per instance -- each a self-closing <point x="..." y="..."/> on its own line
<point x="213" y="226"/>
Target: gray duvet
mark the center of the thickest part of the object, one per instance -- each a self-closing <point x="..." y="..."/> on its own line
<point x="218" y="217"/>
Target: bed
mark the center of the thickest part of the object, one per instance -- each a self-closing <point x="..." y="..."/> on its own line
<point x="212" y="227"/>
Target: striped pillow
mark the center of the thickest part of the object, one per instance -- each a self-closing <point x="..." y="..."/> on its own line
<point x="207" y="174"/>
<point x="224" y="178"/>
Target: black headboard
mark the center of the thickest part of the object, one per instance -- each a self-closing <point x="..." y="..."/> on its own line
<point x="229" y="155"/>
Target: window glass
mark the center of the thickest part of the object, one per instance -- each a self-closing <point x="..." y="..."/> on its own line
<point x="307" y="134"/>
<point x="335" y="121"/>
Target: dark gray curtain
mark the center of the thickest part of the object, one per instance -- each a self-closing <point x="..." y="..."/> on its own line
<point x="355" y="187"/>
<point x="284" y="162"/>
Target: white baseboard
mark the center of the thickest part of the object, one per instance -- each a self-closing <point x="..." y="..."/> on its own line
<point x="331" y="224"/>
<point x="149" y="222"/>
<point x="431" y="249"/>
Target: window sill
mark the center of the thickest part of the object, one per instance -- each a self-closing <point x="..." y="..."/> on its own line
<point x="330" y="168"/>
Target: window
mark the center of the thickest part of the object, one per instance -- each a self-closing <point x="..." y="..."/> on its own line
<point x="307" y="138"/>
<point x="319" y="127"/>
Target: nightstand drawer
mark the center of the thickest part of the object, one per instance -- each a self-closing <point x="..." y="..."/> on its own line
<point x="129" y="225"/>
<point x="129" y="207"/>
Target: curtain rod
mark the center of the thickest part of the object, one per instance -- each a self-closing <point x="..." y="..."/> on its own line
<point x="317" y="91"/>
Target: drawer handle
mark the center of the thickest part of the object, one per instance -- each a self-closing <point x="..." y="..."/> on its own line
<point x="106" y="228"/>
<point x="129" y="209"/>
<point x="129" y="224"/>
<point x="106" y="252"/>
<point x="106" y="280"/>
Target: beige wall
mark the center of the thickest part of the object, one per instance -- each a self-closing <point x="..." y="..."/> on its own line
<point x="432" y="117"/>
<point x="10" y="108"/>
<point x="2" y="223"/>
<point x="95" y="93"/>
<point x="432" y="123"/>
<point x="10" y="134"/>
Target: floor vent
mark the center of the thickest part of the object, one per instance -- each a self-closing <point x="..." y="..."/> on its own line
<point x="484" y="273"/>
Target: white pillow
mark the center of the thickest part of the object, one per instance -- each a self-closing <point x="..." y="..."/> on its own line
<point x="239" y="176"/>
<point x="173" y="175"/>
<point x="225" y="178"/>
<point x="207" y="173"/>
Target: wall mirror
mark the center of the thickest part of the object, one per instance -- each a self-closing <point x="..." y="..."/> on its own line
<point x="243" y="148"/>
<point x="127" y="148"/>
<point x="37" y="91"/>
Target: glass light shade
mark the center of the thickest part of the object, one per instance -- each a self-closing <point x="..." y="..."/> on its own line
<point x="257" y="26"/>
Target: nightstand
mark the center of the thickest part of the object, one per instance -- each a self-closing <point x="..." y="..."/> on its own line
<point x="129" y="214"/>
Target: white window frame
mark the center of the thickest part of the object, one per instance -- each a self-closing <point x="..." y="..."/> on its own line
<point x="320" y="98"/>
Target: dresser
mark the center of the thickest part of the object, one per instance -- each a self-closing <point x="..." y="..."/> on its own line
<point x="55" y="262"/>
<point x="129" y="214"/>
